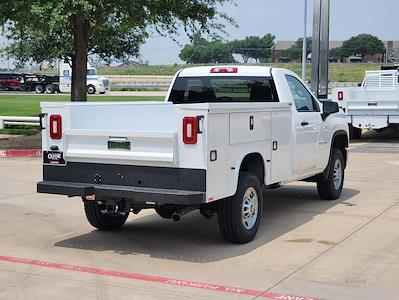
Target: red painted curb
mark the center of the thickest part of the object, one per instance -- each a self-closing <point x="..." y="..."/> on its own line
<point x="21" y="153"/>
<point x="162" y="280"/>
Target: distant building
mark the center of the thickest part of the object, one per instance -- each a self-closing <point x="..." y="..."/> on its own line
<point x="131" y="64"/>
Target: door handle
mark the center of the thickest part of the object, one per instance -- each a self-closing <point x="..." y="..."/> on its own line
<point x="304" y="123"/>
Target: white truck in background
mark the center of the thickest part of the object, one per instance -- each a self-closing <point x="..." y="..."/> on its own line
<point x="221" y="136"/>
<point x="95" y="83"/>
<point x="372" y="105"/>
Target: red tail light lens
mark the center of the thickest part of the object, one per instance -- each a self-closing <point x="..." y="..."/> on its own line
<point x="55" y="127"/>
<point x="190" y="130"/>
<point x="340" y="95"/>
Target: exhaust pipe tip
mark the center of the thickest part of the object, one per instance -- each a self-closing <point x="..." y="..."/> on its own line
<point x="176" y="217"/>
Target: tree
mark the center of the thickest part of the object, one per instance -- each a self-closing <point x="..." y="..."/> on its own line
<point x="201" y="52"/>
<point x="363" y="44"/>
<point x="254" y="47"/>
<point x="336" y="54"/>
<point x="112" y="29"/>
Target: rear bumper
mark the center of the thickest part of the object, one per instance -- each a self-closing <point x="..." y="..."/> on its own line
<point x="137" y="184"/>
<point x="137" y="195"/>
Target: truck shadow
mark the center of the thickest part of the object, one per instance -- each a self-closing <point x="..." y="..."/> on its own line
<point x="389" y="135"/>
<point x="196" y="239"/>
<point x="372" y="141"/>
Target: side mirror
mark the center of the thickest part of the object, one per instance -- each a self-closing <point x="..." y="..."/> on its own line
<point x="329" y="107"/>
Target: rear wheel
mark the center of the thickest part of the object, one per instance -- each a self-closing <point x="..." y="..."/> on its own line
<point x="50" y="89"/>
<point x="39" y="88"/>
<point x="239" y="216"/>
<point x="331" y="188"/>
<point x="101" y="220"/>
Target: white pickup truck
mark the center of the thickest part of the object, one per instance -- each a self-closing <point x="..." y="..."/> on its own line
<point x="372" y="105"/>
<point x="221" y="135"/>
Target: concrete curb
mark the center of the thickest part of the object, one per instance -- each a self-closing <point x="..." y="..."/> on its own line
<point x="21" y="153"/>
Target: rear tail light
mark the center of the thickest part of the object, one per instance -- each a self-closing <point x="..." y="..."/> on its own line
<point x="190" y="130"/>
<point x="340" y="95"/>
<point x="224" y="70"/>
<point x="55" y="127"/>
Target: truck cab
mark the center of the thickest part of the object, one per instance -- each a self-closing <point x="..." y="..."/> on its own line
<point x="222" y="134"/>
<point x="95" y="83"/>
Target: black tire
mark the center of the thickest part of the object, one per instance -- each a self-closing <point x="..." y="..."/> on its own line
<point x="91" y="89"/>
<point x="355" y="133"/>
<point x="39" y="89"/>
<point x="331" y="188"/>
<point x="102" y="93"/>
<point x="50" y="89"/>
<point x="164" y="212"/>
<point x="103" y="221"/>
<point x="230" y="211"/>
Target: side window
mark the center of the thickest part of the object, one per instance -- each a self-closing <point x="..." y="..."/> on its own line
<point x="304" y="101"/>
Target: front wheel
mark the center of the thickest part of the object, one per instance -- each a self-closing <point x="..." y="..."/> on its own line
<point x="239" y="216"/>
<point x="107" y="222"/>
<point x="331" y="188"/>
<point x="91" y="89"/>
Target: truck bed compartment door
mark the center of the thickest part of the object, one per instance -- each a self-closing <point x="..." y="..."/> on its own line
<point x="249" y="127"/>
<point x="282" y="155"/>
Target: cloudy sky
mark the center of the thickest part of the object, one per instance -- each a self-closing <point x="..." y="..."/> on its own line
<point x="284" y="18"/>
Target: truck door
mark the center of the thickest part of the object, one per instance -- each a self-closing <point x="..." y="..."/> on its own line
<point x="65" y="78"/>
<point x="307" y="126"/>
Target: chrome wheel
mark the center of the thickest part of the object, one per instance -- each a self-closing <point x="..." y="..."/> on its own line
<point x="250" y="208"/>
<point x="337" y="174"/>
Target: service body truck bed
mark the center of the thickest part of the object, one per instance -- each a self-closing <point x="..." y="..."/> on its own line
<point x="373" y="105"/>
<point x="221" y="135"/>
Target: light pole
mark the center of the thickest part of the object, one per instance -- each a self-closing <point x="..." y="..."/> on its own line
<point x="304" y="42"/>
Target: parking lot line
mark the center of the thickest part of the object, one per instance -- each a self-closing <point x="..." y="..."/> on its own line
<point x="161" y="280"/>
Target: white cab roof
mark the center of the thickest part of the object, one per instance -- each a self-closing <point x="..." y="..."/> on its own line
<point x="241" y="71"/>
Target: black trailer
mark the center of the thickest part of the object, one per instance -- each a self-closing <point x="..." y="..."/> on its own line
<point x="41" y="83"/>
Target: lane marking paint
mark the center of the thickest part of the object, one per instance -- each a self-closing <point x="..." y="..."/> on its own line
<point x="20" y="153"/>
<point x="162" y="280"/>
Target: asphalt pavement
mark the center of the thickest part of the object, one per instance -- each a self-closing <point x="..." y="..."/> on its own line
<point x="306" y="248"/>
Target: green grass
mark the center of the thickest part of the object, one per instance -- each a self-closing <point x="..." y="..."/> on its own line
<point x="338" y="72"/>
<point x="20" y="131"/>
<point x="29" y="105"/>
<point x="142" y="70"/>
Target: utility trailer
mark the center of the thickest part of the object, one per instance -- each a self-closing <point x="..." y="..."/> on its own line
<point x="372" y="105"/>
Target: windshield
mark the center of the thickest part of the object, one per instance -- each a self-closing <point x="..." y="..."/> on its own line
<point x="91" y="72"/>
<point x="223" y="89"/>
